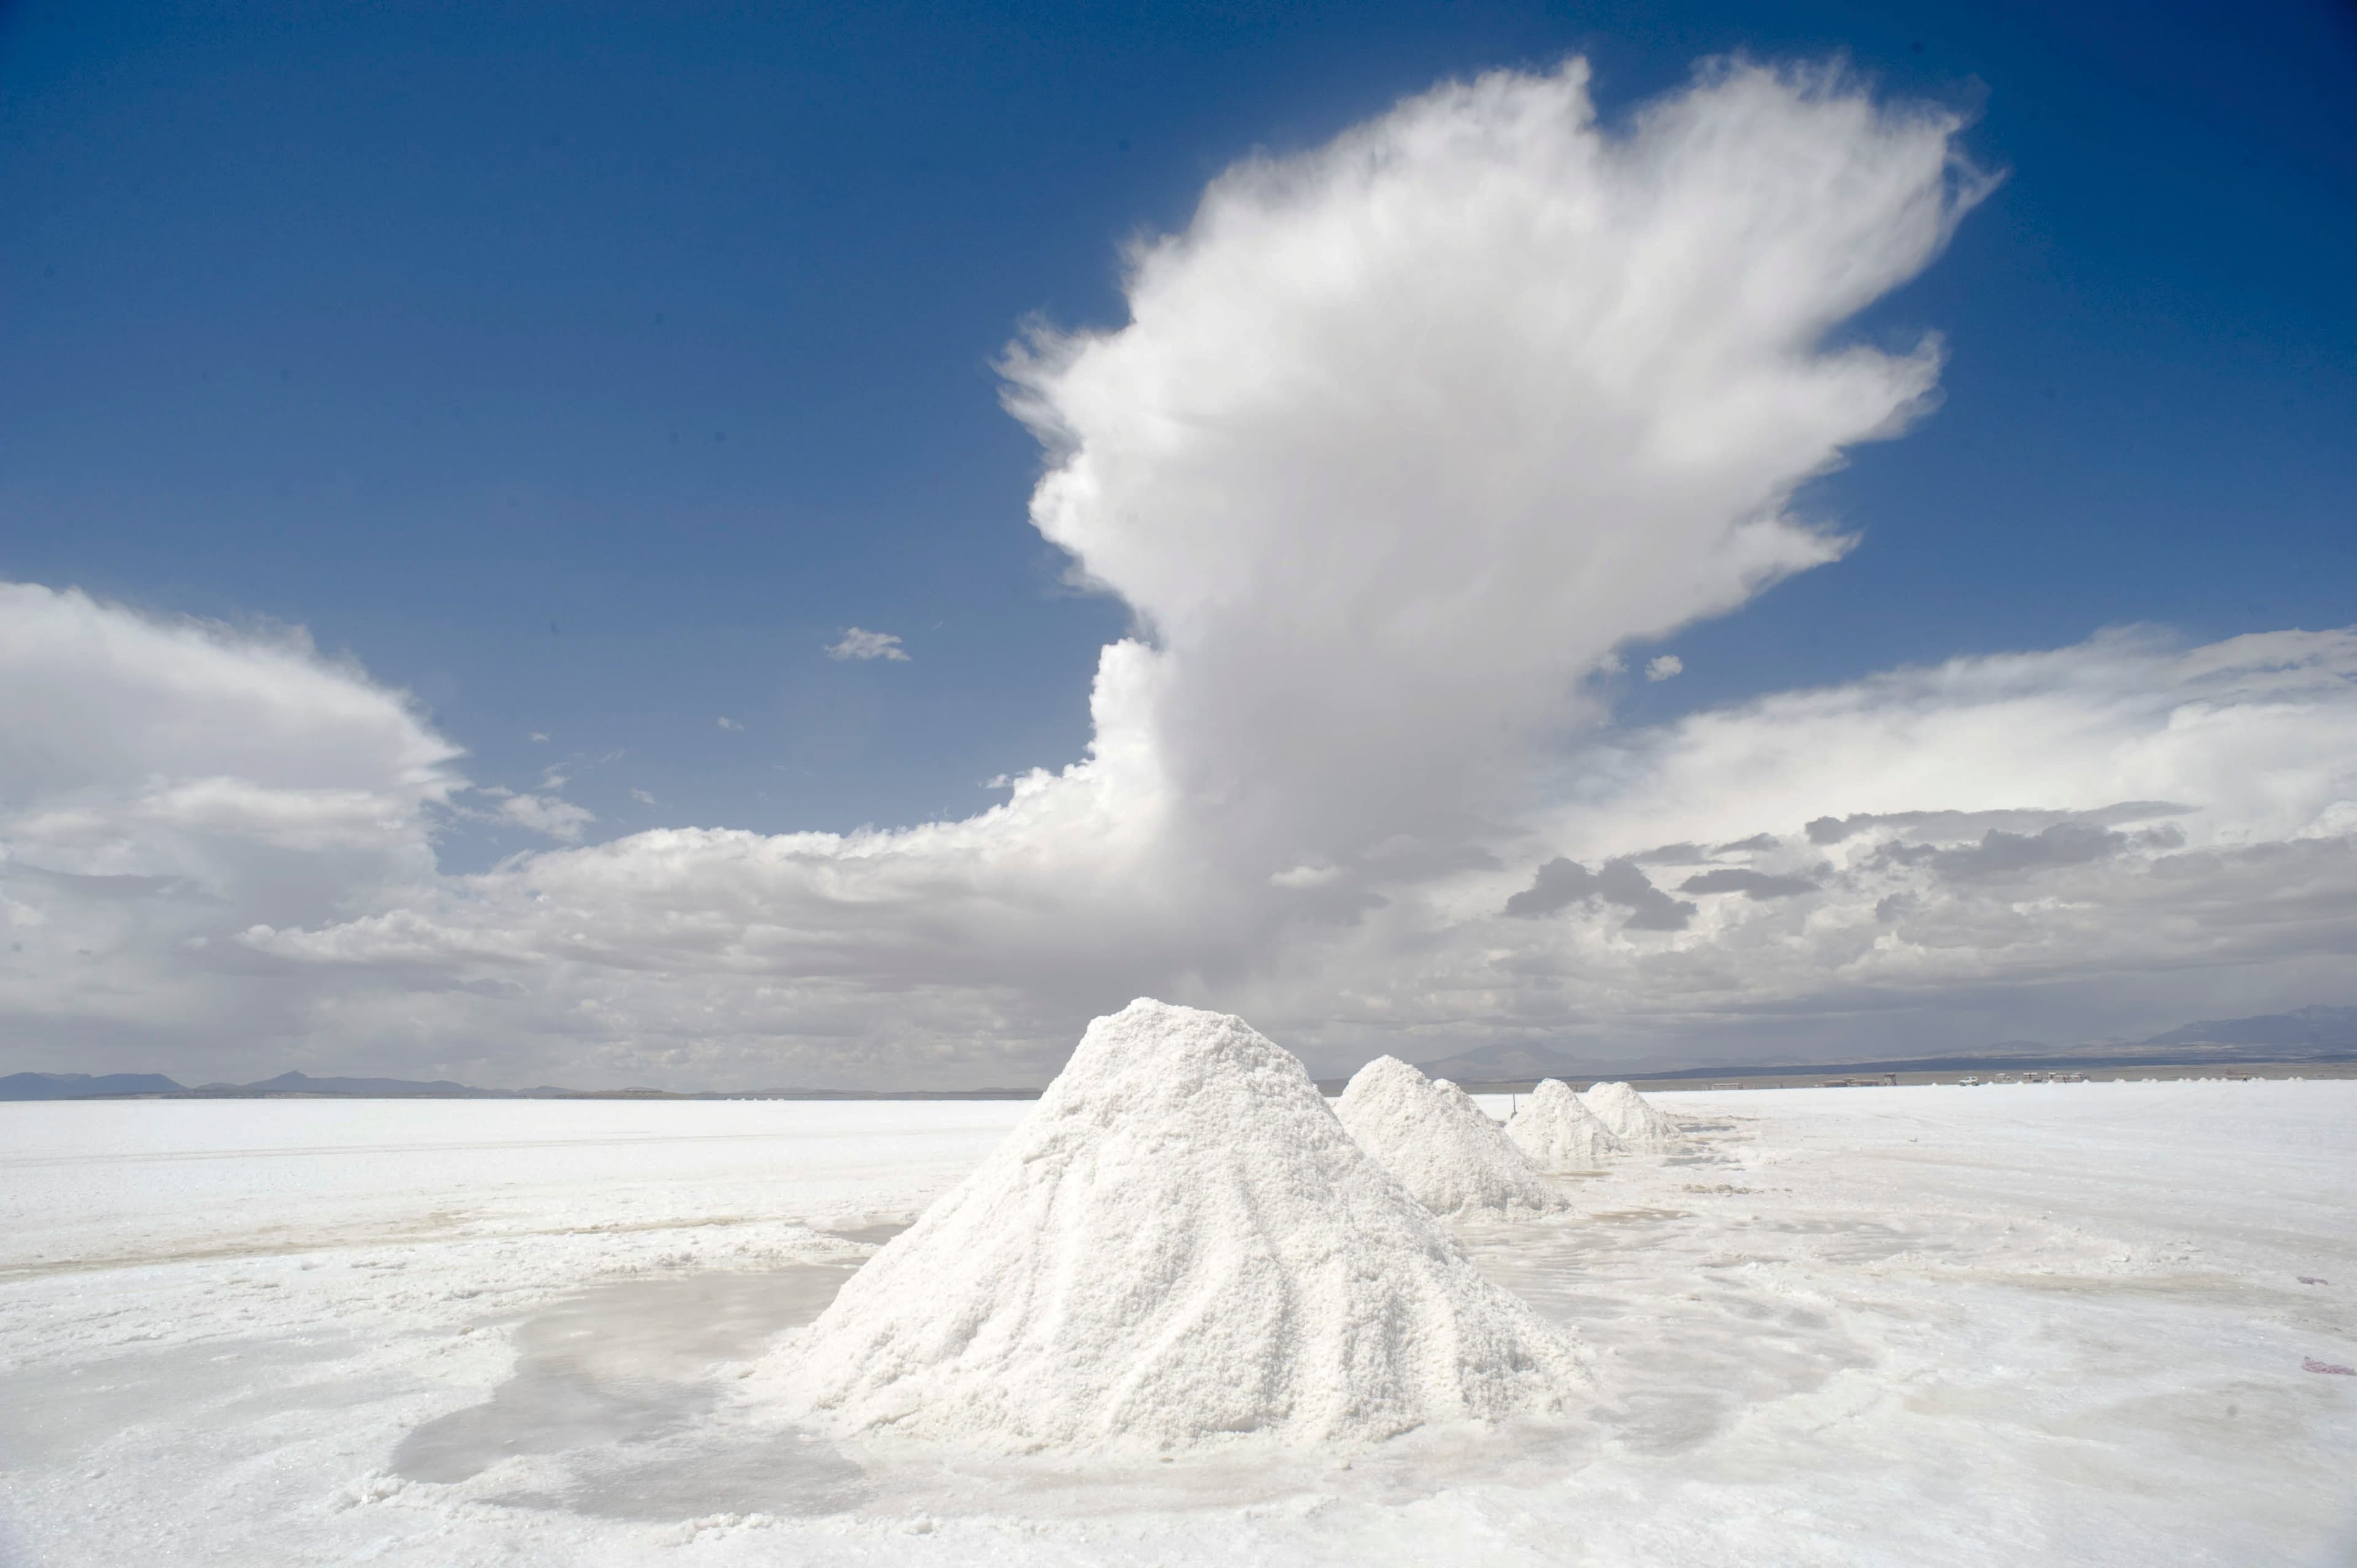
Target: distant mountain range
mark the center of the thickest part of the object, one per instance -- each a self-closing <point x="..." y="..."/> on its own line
<point x="83" y="1086"/>
<point x="362" y="1088"/>
<point x="302" y="1086"/>
<point x="2311" y="1034"/>
<point x="2308" y="1030"/>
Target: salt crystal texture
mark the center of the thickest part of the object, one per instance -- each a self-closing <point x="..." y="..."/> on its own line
<point x="1557" y="1132"/>
<point x="1629" y="1118"/>
<point x="1449" y="1156"/>
<point x="1180" y="1244"/>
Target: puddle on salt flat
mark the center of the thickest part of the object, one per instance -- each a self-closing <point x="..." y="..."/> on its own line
<point x="619" y="1386"/>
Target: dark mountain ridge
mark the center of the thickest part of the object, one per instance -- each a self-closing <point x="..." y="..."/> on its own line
<point x="83" y="1086"/>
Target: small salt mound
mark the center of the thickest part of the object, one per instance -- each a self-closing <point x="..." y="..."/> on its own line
<point x="1179" y="1245"/>
<point x="1557" y="1132"/>
<point x="1629" y="1118"/>
<point x="1454" y="1159"/>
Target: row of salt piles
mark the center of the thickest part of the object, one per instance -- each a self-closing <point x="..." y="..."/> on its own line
<point x="1458" y="1162"/>
<point x="1181" y="1244"/>
<point x="1446" y="1150"/>
<point x="1629" y="1117"/>
<point x="1555" y="1128"/>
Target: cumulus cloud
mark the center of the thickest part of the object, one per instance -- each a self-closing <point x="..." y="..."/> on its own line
<point x="1384" y="411"/>
<point x="1665" y="666"/>
<point x="164" y="782"/>
<point x="859" y="644"/>
<point x="1403" y="440"/>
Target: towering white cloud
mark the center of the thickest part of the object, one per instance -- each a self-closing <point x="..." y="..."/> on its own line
<point x="1403" y="439"/>
<point x="1404" y="435"/>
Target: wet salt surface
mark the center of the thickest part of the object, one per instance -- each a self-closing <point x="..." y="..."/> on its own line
<point x="621" y="1383"/>
<point x="2063" y="1325"/>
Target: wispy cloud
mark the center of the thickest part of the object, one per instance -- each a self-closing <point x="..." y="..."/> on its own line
<point x="1751" y="884"/>
<point x="727" y="723"/>
<point x="547" y="814"/>
<point x="1663" y="667"/>
<point x="858" y="643"/>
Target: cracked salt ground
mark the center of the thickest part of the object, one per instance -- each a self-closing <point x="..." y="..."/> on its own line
<point x="2057" y="1325"/>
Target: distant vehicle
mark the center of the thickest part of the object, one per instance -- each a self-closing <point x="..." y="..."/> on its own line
<point x="1969" y="1081"/>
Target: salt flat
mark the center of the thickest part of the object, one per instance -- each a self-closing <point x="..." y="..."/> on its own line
<point x="2063" y="1323"/>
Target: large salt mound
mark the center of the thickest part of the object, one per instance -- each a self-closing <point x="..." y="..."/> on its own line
<point x="1179" y="1245"/>
<point x="1449" y="1156"/>
<point x="1558" y="1133"/>
<point x="1629" y="1118"/>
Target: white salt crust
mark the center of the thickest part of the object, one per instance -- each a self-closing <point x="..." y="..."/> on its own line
<point x="1178" y="1245"/>
<point x="1449" y="1156"/>
<point x="1555" y="1130"/>
<point x="1629" y="1118"/>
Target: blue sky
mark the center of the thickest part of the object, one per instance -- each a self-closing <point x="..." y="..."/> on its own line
<point x="575" y="376"/>
<point x="434" y="329"/>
